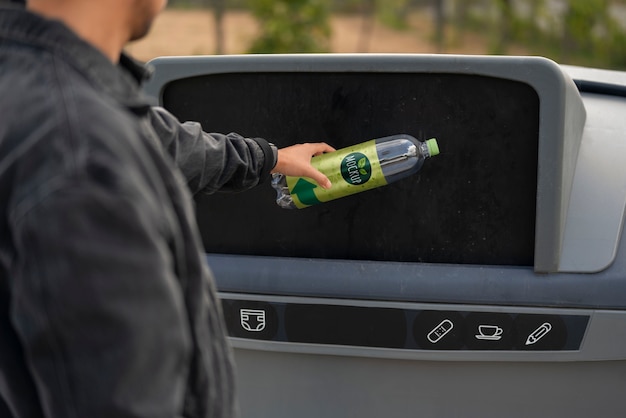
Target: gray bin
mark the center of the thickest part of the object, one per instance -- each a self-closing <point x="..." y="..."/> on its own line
<point x="491" y="283"/>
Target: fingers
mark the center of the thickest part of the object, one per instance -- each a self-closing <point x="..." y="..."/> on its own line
<point x="315" y="149"/>
<point x="295" y="160"/>
<point x="319" y="178"/>
<point x="321" y="148"/>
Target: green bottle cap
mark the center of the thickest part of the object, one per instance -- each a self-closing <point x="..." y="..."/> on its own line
<point x="433" y="148"/>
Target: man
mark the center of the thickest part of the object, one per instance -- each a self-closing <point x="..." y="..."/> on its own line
<point x="106" y="306"/>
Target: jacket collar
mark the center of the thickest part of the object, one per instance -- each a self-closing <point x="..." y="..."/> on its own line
<point x="122" y="81"/>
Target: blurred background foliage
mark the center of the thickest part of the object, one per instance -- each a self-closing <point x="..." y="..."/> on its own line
<point x="580" y="32"/>
<point x="291" y="25"/>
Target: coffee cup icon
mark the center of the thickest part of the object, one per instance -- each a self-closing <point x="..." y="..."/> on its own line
<point x="489" y="332"/>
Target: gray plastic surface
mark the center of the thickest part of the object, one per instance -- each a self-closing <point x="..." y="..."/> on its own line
<point x="596" y="211"/>
<point x="579" y="241"/>
<point x="312" y="380"/>
<point x="286" y="385"/>
<point x="562" y="114"/>
<point x="305" y="380"/>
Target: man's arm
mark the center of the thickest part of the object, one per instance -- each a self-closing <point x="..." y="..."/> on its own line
<point x="212" y="162"/>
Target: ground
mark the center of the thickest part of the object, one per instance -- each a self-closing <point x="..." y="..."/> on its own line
<point x="192" y="32"/>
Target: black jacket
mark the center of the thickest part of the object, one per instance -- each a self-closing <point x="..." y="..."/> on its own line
<point x="107" y="308"/>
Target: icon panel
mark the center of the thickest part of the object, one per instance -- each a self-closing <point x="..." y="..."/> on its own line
<point x="385" y="327"/>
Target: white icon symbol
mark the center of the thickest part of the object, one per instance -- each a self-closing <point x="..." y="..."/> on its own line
<point x="539" y="333"/>
<point x="440" y="331"/>
<point x="252" y="319"/>
<point x="489" y="332"/>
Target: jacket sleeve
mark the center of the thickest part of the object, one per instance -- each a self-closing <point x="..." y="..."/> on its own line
<point x="213" y="162"/>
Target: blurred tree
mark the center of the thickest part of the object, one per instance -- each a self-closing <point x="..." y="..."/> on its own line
<point x="505" y="24"/>
<point x="345" y="6"/>
<point x="616" y="34"/>
<point x="394" y="13"/>
<point x="219" y="8"/>
<point x="464" y="18"/>
<point x="368" y="19"/>
<point x="440" y="23"/>
<point x="579" y="20"/>
<point x="461" y="8"/>
<point x="291" y="26"/>
<point x="537" y="13"/>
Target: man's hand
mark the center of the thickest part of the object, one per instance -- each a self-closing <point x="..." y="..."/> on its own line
<point x="295" y="161"/>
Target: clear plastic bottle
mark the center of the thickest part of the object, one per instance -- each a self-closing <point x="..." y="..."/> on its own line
<point x="355" y="169"/>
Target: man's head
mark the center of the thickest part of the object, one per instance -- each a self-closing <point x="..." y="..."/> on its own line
<point x="144" y="13"/>
<point x="107" y="24"/>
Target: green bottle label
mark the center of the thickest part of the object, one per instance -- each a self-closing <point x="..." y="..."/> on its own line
<point x="351" y="170"/>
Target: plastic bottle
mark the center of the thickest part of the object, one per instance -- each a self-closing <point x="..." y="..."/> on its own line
<point x="355" y="169"/>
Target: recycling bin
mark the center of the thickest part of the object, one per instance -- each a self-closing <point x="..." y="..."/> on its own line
<point x="491" y="283"/>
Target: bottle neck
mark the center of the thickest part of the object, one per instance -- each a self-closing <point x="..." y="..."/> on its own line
<point x="424" y="150"/>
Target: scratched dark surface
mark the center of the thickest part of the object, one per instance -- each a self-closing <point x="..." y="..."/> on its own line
<point x="472" y="204"/>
